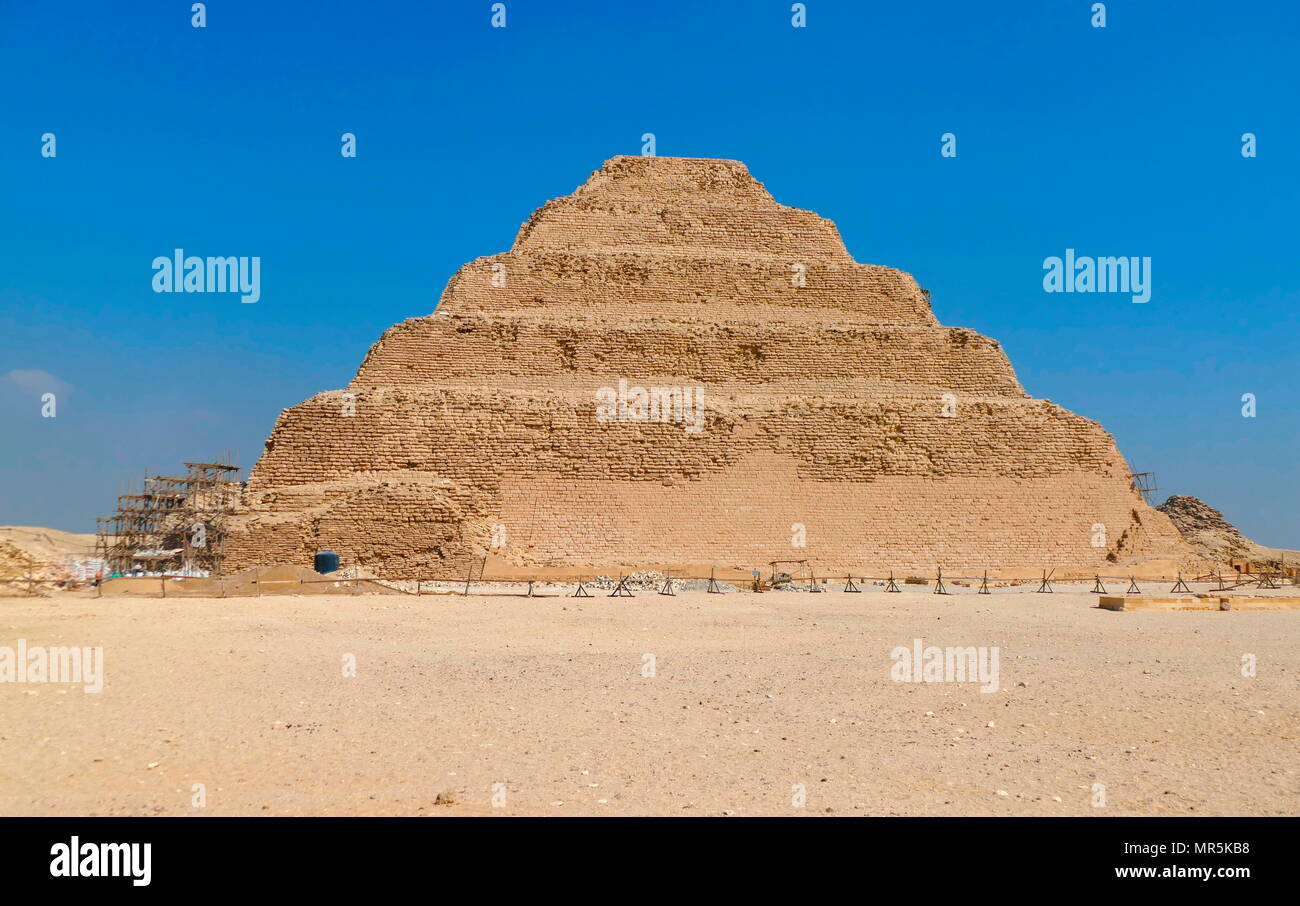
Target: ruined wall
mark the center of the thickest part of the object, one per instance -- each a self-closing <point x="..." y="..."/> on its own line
<point x="832" y="399"/>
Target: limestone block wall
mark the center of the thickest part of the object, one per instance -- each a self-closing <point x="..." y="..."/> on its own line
<point x="832" y="400"/>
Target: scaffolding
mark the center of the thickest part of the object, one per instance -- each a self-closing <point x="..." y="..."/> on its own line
<point x="1145" y="484"/>
<point x="173" y="524"/>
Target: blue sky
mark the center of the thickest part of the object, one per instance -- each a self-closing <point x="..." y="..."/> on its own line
<point x="225" y="141"/>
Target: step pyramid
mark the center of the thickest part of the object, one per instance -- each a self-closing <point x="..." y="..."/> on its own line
<point x="669" y="367"/>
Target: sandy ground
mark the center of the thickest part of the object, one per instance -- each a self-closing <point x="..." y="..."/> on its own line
<point x="752" y="695"/>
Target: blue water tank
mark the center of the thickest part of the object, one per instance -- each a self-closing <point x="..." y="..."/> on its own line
<point x="326" y="562"/>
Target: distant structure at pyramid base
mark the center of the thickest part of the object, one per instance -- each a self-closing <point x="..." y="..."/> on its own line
<point x="669" y="367"/>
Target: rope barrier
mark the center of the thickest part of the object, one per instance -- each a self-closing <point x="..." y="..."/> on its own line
<point x="853" y="583"/>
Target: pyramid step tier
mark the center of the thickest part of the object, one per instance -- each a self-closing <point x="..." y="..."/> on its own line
<point x="678" y="204"/>
<point x="423" y="350"/>
<point x="475" y="435"/>
<point x="626" y="284"/>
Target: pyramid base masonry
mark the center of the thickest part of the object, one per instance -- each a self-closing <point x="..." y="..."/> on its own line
<point x="837" y="412"/>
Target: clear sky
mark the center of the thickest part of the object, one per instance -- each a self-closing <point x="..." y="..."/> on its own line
<point x="225" y="140"/>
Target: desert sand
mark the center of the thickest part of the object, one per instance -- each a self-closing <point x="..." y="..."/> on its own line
<point x="542" y="703"/>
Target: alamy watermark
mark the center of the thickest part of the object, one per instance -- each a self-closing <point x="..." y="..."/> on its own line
<point x="1084" y="274"/>
<point x="192" y="274"/>
<point x="75" y="859"/>
<point x="932" y="664"/>
<point x="63" y="664"/>
<point x="676" y="405"/>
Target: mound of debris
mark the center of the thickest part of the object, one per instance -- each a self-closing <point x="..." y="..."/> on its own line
<point x="653" y="580"/>
<point x="1217" y="539"/>
<point x="37" y="560"/>
<point x="648" y="580"/>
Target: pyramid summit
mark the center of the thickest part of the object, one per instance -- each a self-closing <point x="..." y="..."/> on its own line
<point x="545" y="409"/>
